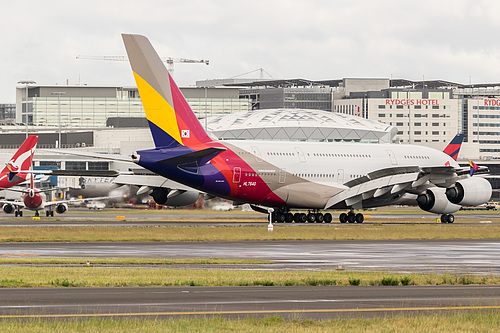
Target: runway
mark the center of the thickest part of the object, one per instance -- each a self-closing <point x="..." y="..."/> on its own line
<point x="289" y="302"/>
<point x="476" y="257"/>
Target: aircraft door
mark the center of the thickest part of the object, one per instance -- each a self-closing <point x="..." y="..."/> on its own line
<point x="302" y="157"/>
<point x="340" y="176"/>
<point x="282" y="176"/>
<point x="257" y="154"/>
<point x="236" y="175"/>
<point x="392" y="157"/>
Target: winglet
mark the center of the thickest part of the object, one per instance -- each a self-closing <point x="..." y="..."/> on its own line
<point x="171" y="120"/>
<point x="473" y="168"/>
<point x="453" y="148"/>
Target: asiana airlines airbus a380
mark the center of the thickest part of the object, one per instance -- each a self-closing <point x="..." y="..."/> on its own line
<point x="313" y="176"/>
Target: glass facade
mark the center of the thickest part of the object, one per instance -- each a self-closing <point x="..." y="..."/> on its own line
<point x="83" y="111"/>
<point x="94" y="111"/>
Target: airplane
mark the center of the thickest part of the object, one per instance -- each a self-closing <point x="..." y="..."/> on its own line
<point x="12" y="174"/>
<point x="277" y="177"/>
<point x="291" y="175"/>
<point x="33" y="199"/>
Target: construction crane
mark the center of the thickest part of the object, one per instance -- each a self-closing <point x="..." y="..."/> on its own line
<point x="169" y="61"/>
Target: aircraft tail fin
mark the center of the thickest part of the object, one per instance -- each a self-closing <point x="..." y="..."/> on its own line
<point x="23" y="157"/>
<point x="453" y="148"/>
<point x="171" y="120"/>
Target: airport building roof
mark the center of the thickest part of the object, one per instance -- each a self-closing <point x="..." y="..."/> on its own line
<point x="298" y="125"/>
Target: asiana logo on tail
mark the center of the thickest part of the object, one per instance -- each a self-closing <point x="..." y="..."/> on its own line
<point x="185" y="134"/>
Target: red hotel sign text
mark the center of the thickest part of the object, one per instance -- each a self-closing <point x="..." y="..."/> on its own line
<point x="491" y="102"/>
<point x="413" y="102"/>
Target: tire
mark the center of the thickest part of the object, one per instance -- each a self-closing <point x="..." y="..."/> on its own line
<point x="444" y="218"/>
<point x="343" y="218"/>
<point x="303" y="218"/>
<point x="320" y="218"/>
<point x="296" y="218"/>
<point x="451" y="218"/>
<point x="280" y="217"/>
<point x="328" y="218"/>
<point x="311" y="218"/>
<point x="288" y="217"/>
<point x="351" y="217"/>
<point x="359" y="218"/>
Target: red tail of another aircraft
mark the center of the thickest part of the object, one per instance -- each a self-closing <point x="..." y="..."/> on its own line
<point x="453" y="148"/>
<point x="21" y="161"/>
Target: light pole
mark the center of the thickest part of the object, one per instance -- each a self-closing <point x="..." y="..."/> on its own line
<point x="59" y="93"/>
<point x="26" y="83"/>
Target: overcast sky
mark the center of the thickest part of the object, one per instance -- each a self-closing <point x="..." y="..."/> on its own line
<point x="450" y="40"/>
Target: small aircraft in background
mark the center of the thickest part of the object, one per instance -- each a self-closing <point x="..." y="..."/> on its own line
<point x="33" y="199"/>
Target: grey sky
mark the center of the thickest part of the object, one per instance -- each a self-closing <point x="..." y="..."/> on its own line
<point x="449" y="40"/>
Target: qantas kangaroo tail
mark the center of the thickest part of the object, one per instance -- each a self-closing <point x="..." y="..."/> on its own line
<point x="23" y="157"/>
<point x="171" y="120"/>
<point x="453" y="148"/>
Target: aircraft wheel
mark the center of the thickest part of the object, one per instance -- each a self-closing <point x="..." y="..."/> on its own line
<point x="52" y="213"/>
<point x="451" y="218"/>
<point x="351" y="217"/>
<point x="288" y="217"/>
<point x="444" y="218"/>
<point x="343" y="218"/>
<point x="15" y="213"/>
<point x="20" y="213"/>
<point x="320" y="218"/>
<point x="47" y="213"/>
<point x="280" y="217"/>
<point x="328" y="218"/>
<point x="360" y="218"/>
<point x="311" y="218"/>
<point x="296" y="218"/>
<point x="303" y="218"/>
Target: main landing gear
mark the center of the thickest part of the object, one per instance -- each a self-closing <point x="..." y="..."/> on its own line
<point x="447" y="218"/>
<point x="351" y="217"/>
<point x="281" y="216"/>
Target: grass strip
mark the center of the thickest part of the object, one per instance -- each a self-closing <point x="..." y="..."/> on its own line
<point x="242" y="233"/>
<point x="128" y="261"/>
<point x="50" y="276"/>
<point x="453" y="321"/>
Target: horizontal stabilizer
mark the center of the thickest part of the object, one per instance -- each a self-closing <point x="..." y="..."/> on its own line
<point x="201" y="156"/>
<point x="111" y="157"/>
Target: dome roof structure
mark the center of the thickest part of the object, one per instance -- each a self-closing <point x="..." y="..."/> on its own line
<point x="299" y="125"/>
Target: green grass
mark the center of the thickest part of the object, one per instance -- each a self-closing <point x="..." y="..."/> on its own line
<point x="453" y="321"/>
<point x="62" y="276"/>
<point x="127" y="261"/>
<point x="241" y="233"/>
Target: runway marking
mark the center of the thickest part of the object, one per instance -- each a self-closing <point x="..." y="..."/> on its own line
<point x="184" y="313"/>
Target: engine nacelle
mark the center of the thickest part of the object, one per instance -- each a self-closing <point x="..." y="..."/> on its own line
<point x="470" y="192"/>
<point x="160" y="195"/>
<point x="434" y="200"/>
<point x="8" y="208"/>
<point x="61" y="208"/>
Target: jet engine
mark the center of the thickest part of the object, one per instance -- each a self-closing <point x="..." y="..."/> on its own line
<point x="8" y="208"/>
<point x="434" y="200"/>
<point x="185" y="198"/>
<point x="61" y="208"/>
<point x="470" y="192"/>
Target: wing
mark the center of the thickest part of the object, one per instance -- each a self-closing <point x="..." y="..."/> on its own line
<point x="385" y="186"/>
<point x="149" y="180"/>
<point x="76" y="201"/>
<point x="15" y="204"/>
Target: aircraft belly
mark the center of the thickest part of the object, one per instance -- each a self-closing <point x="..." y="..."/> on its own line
<point x="306" y="194"/>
